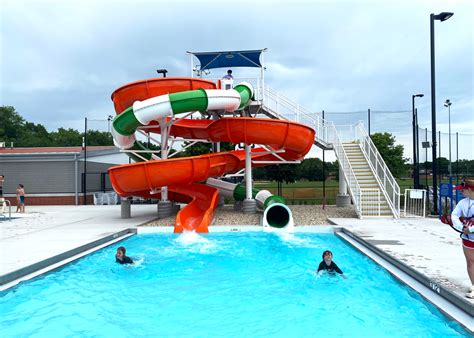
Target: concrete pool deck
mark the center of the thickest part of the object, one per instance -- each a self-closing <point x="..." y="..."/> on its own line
<point x="47" y="231"/>
<point x="425" y="244"/>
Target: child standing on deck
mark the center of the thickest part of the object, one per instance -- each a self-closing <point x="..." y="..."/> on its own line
<point x="20" y="198"/>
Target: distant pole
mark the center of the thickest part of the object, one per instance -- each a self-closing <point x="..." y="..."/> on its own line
<point x="414" y="139"/>
<point x="368" y="119"/>
<point x="416" y="169"/>
<point x="324" y="173"/>
<point x="457" y="158"/>
<point x="417" y="166"/>
<point x="439" y="155"/>
<point x="85" y="162"/>
<point x="426" y="160"/>
<point x="448" y="104"/>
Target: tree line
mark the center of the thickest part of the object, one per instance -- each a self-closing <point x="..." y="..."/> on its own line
<point x="15" y="129"/>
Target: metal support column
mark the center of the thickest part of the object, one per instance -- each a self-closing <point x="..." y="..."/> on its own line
<point x="84" y="182"/>
<point x="342" y="198"/>
<point x="165" y="207"/>
<point x="76" y="177"/>
<point x="249" y="204"/>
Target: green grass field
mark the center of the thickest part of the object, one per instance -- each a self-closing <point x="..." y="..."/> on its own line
<point x="303" y="192"/>
<point x="311" y="192"/>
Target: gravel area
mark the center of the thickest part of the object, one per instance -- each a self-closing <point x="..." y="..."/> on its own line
<point x="303" y="215"/>
<point x="316" y="215"/>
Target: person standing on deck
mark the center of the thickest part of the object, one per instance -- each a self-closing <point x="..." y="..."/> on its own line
<point x="465" y="208"/>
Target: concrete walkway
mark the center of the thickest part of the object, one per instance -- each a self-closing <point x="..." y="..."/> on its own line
<point x="46" y="231"/>
<point x="429" y="246"/>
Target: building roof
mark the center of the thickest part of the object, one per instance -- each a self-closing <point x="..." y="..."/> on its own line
<point x="52" y="150"/>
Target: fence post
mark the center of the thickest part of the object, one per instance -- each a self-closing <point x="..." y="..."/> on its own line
<point x="102" y="181"/>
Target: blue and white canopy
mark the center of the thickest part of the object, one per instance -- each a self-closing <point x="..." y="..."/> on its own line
<point x="229" y="59"/>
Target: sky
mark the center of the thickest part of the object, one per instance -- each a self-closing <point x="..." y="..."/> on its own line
<point x="61" y="60"/>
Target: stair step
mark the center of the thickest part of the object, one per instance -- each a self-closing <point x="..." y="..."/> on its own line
<point x="381" y="215"/>
<point x="383" y="208"/>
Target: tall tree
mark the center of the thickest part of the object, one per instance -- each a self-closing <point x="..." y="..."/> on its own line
<point x="14" y="128"/>
<point x="11" y="123"/>
<point x="202" y="148"/>
<point x="311" y="169"/>
<point x="282" y="173"/>
<point x="391" y="153"/>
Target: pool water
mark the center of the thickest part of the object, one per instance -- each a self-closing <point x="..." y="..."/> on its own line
<point x="248" y="284"/>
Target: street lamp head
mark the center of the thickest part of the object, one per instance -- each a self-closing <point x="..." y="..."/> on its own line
<point x="443" y="16"/>
<point x="447" y="103"/>
<point x="162" y="71"/>
<point x="419" y="95"/>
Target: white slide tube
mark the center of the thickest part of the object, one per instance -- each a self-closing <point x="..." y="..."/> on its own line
<point x="226" y="189"/>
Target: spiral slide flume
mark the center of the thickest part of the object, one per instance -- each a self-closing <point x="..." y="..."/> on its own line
<point x="146" y="102"/>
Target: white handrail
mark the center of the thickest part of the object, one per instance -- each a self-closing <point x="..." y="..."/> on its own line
<point x="384" y="177"/>
<point x="326" y="133"/>
<point x="7" y="202"/>
<point x="349" y="175"/>
<point x="285" y="108"/>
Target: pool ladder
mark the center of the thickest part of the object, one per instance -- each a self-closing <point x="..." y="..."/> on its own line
<point x="2" y="214"/>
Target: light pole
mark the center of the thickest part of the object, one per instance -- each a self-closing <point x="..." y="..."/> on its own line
<point x="84" y="180"/>
<point x="416" y="176"/>
<point x="162" y="72"/>
<point x="447" y="104"/>
<point x="441" y="17"/>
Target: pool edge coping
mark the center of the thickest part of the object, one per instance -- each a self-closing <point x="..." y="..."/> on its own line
<point x="435" y="289"/>
<point x="15" y="277"/>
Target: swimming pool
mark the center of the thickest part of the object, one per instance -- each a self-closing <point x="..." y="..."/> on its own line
<point x="248" y="284"/>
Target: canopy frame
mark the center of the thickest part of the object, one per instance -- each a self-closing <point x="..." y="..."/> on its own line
<point x="241" y="53"/>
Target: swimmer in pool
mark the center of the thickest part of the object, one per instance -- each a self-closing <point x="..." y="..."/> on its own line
<point x="121" y="258"/>
<point x="328" y="265"/>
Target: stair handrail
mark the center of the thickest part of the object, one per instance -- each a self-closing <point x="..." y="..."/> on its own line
<point x="354" y="188"/>
<point x="279" y="103"/>
<point x="384" y="177"/>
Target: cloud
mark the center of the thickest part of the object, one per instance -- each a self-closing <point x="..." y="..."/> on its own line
<point x="61" y="60"/>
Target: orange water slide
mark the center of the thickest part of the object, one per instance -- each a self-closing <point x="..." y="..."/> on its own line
<point x="181" y="175"/>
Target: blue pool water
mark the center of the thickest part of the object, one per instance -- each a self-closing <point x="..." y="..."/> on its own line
<point x="249" y="284"/>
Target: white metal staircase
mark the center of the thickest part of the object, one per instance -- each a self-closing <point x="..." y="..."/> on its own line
<point x="373" y="189"/>
<point x="372" y="200"/>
